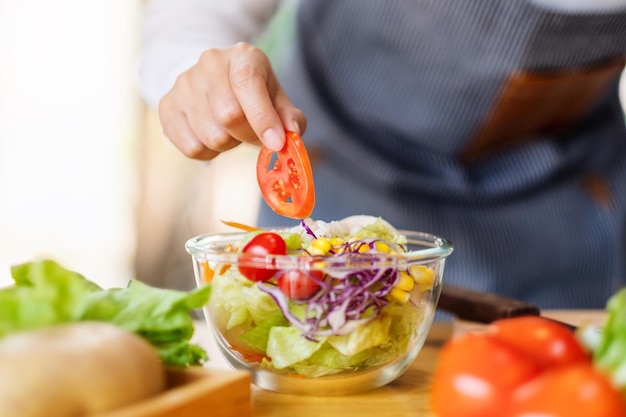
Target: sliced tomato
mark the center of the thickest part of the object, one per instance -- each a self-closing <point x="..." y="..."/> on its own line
<point x="299" y="285"/>
<point x="287" y="183"/>
<point x="252" y="263"/>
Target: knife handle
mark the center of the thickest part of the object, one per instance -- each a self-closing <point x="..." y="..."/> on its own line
<point x="481" y="307"/>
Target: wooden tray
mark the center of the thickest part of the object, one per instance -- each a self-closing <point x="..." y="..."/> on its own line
<point x="196" y="392"/>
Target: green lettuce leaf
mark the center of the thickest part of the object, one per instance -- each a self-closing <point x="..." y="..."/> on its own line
<point x="45" y="294"/>
<point x="373" y="333"/>
<point x="258" y="336"/>
<point x="160" y="316"/>
<point x="237" y="302"/>
<point x="294" y="241"/>
<point x="286" y="346"/>
<point x="378" y="229"/>
<point x="608" y="345"/>
<point x="373" y="344"/>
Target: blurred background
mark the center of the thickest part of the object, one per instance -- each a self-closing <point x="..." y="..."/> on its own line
<point x="69" y="122"/>
<point x="85" y="176"/>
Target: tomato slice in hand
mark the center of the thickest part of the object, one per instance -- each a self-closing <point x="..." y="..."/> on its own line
<point x="252" y="262"/>
<point x="287" y="183"/>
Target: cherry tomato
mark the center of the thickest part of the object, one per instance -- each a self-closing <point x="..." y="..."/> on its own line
<point x="300" y="285"/>
<point x="577" y="390"/>
<point x="252" y="262"/>
<point x="548" y="343"/>
<point x="476" y="374"/>
<point x="287" y="186"/>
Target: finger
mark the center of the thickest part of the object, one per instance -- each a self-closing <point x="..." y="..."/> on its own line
<point x="190" y="96"/>
<point x="249" y="75"/>
<point x="292" y="117"/>
<point x="228" y="113"/>
<point x="177" y="130"/>
<point x="207" y="128"/>
<point x="212" y="79"/>
<point x="179" y="133"/>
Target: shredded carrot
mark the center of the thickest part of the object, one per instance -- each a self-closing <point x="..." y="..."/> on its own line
<point x="224" y="268"/>
<point x="241" y="226"/>
<point x="207" y="272"/>
<point x="249" y="356"/>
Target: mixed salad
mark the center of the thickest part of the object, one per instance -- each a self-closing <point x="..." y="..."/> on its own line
<point x="346" y="306"/>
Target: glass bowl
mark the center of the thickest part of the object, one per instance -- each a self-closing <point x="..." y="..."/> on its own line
<point x="360" y="332"/>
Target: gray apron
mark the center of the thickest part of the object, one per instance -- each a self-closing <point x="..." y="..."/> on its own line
<point x="496" y="124"/>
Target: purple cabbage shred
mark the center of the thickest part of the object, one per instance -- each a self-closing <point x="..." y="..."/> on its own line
<point x="344" y="300"/>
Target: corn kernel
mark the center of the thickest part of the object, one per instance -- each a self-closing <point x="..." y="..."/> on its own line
<point x="339" y="250"/>
<point x="320" y="246"/>
<point x="424" y="276"/>
<point x="315" y="251"/>
<point x="382" y="247"/>
<point x="363" y="248"/>
<point x="406" y="282"/>
<point x="399" y="295"/>
<point x="318" y="265"/>
<point x="336" y="241"/>
<point x="322" y="243"/>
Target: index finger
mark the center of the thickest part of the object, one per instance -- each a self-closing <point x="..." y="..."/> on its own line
<point x="253" y="83"/>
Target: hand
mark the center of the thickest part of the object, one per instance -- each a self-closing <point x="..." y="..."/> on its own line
<point x="228" y="97"/>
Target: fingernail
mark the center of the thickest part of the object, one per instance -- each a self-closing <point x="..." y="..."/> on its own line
<point x="296" y="126"/>
<point x="273" y="140"/>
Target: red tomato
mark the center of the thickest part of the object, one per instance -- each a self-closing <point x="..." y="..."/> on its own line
<point x="252" y="262"/>
<point x="548" y="343"/>
<point x="475" y="376"/>
<point x="300" y="285"/>
<point x="287" y="186"/>
<point x="521" y="367"/>
<point x="572" y="391"/>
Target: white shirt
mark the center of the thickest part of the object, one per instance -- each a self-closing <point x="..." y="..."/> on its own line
<point x="176" y="32"/>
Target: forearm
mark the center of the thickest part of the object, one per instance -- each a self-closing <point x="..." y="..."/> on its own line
<point x="175" y="32"/>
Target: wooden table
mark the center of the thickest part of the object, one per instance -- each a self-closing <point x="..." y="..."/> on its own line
<point x="407" y="396"/>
